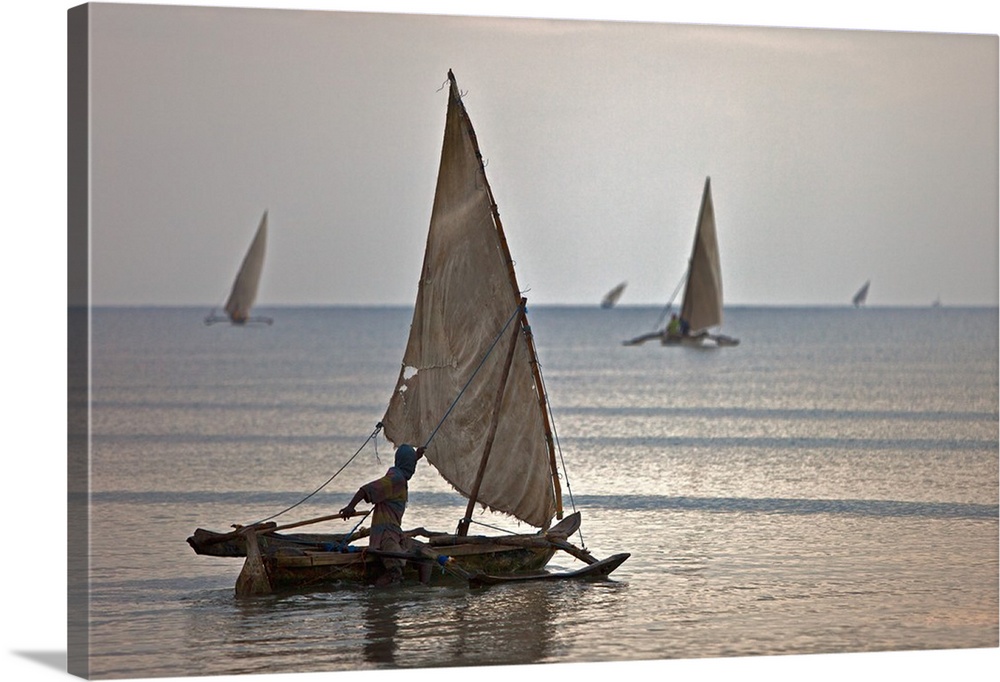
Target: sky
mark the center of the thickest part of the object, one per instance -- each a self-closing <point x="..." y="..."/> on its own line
<point x="597" y="166"/>
<point x="836" y="156"/>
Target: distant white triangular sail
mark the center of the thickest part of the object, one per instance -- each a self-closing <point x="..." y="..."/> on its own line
<point x="244" y="292"/>
<point x="702" y="306"/>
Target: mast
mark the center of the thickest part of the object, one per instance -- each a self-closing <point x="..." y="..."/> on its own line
<point x="463" y="525"/>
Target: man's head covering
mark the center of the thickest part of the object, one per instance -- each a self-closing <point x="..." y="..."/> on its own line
<point x="406" y="459"/>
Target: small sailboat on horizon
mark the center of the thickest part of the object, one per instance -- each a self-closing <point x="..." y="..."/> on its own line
<point x="701" y="308"/>
<point x="244" y="292"/>
<point x="861" y="297"/>
<point x="611" y="298"/>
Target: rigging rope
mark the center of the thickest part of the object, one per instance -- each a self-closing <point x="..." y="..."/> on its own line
<point x="670" y="303"/>
<point x="562" y="461"/>
<point x="346" y="541"/>
<point x="552" y="421"/>
<point x="487" y="525"/>
<point x="489" y="352"/>
<point x="379" y="426"/>
<point x="555" y="437"/>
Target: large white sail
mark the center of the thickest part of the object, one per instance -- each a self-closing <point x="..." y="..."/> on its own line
<point x="702" y="306"/>
<point x="467" y="293"/>
<point x="244" y="291"/>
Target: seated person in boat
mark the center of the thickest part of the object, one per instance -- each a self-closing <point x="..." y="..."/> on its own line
<point x="389" y="495"/>
<point x="685" y="327"/>
<point x="674" y="327"/>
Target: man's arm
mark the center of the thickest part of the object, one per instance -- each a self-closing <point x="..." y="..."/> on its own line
<point x="347" y="511"/>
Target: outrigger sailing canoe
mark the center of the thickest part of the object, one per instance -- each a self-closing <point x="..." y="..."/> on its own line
<point x="701" y="308"/>
<point x="244" y="291"/>
<point x="470" y="388"/>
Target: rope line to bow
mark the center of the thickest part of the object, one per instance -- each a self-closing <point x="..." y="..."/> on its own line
<point x="379" y="425"/>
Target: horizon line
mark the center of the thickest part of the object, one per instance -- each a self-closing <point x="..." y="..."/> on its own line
<point x="596" y="306"/>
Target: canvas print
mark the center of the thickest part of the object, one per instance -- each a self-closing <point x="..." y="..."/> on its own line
<point x="405" y="341"/>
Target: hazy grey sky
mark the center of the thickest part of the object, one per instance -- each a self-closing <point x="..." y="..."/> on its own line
<point x="836" y="156"/>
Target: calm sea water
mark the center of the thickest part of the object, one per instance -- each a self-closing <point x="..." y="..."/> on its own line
<point x="830" y="485"/>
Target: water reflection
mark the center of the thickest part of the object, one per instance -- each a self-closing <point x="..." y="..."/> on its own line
<point x="363" y="627"/>
<point x="505" y="625"/>
<point x="381" y="618"/>
<point x="456" y="626"/>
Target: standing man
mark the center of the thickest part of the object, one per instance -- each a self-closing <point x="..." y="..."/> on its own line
<point x="389" y="495"/>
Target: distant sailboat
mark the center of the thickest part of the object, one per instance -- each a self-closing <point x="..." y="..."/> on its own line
<point x="244" y="291"/>
<point x="702" y="304"/>
<point x="862" y="295"/>
<point x="611" y="298"/>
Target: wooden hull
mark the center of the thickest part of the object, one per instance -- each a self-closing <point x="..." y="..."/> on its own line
<point x="313" y="570"/>
<point x="276" y="562"/>
<point x="313" y="560"/>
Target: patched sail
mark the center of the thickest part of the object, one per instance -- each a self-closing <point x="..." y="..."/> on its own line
<point x="466" y="297"/>
<point x="702" y="306"/>
<point x="244" y="291"/>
